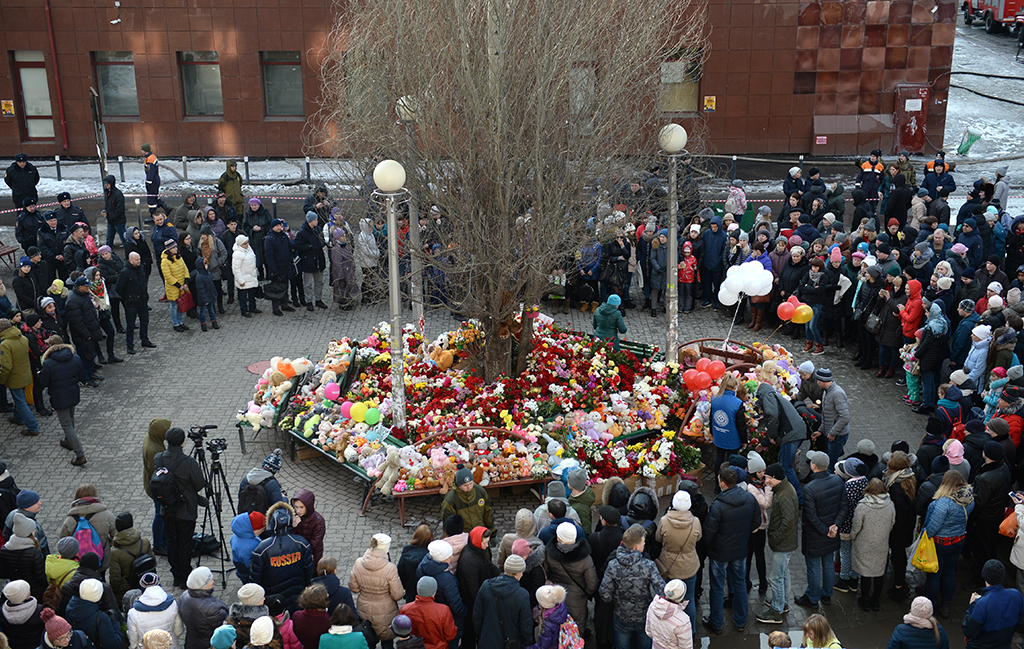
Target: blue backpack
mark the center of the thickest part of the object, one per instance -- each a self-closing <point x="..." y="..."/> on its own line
<point x="87" y="536"/>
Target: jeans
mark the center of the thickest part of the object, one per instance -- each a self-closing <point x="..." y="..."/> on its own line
<point x="888" y="356"/>
<point x="158" y="528"/>
<point x="111" y="229"/>
<point x="686" y="297"/>
<point x="778" y="577"/>
<point x="821" y="577"/>
<point x="929" y="383"/>
<point x="176" y="318"/>
<point x="733" y="571"/>
<point x="811" y="328"/>
<point x="846" y="570"/>
<point x="787" y="454"/>
<point x="835" y="450"/>
<point x="207" y="310"/>
<point x="691" y="596"/>
<point x="22" y="413"/>
<point x="67" y="422"/>
<point x="246" y="299"/>
<point x="631" y="635"/>
<point x="313" y="285"/>
<point x="108" y="329"/>
<point x="131" y="313"/>
<point x="944" y="580"/>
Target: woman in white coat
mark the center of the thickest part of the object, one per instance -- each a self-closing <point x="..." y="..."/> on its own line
<point x="154" y="609"/>
<point x="247" y="281"/>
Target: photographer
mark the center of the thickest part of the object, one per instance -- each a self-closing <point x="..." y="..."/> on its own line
<point x="180" y="521"/>
<point x="259" y="489"/>
<point x="320" y="204"/>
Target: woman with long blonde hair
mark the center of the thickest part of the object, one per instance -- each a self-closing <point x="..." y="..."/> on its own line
<point x="946" y="524"/>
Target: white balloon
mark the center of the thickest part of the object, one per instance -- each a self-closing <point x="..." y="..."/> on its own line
<point x="751" y="283"/>
<point x="732" y="271"/>
<point x="734" y="283"/>
<point x="767" y="281"/>
<point x="727" y="298"/>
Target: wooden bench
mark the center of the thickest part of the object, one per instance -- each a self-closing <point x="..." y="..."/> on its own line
<point x="8" y="255"/>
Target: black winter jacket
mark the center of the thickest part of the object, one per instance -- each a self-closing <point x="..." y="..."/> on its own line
<point x="277" y="252"/>
<point x="792" y="276"/>
<point x="932" y="350"/>
<point x="190" y="482"/>
<point x="902" y="533"/>
<point x="76" y="256"/>
<point x="70" y="588"/>
<point x="733" y="515"/>
<point x="502" y="598"/>
<point x="26" y="290"/>
<point x="110" y="269"/>
<point x="474" y="569"/>
<point x="22" y="182"/>
<point x="140" y="247"/>
<point x="70" y="216"/>
<point x="133" y="287"/>
<point x="825" y="505"/>
<point x="24" y="627"/>
<point x="83" y="321"/>
<point x="28" y="564"/>
<point x="283" y="563"/>
<point x="310" y="247"/>
<point x="113" y="202"/>
<point x="974" y="446"/>
<point x="603" y="544"/>
<point x="201" y="614"/>
<point x="61" y="372"/>
<point x="411" y="557"/>
<point x="51" y="242"/>
<point x="991" y="486"/>
<point x="925" y="492"/>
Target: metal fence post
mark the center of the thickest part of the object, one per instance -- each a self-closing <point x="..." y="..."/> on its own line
<point x="57" y="159"/>
<point x="184" y="167"/>
<point x="273" y="202"/>
<point x="309" y="178"/>
<point x="246" y="159"/>
<point x="734" y="167"/>
<point x="120" y="165"/>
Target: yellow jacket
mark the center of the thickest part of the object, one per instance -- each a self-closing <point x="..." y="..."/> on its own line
<point x="175" y="272"/>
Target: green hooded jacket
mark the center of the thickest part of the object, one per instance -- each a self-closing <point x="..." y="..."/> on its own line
<point x="153" y="444"/>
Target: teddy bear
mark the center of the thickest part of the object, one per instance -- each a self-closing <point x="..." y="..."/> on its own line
<point x="251" y="415"/>
<point x="446" y="478"/>
<point x="389" y="471"/>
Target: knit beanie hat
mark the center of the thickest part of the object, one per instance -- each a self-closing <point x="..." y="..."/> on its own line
<point x="454" y="525"/>
<point x="251" y="594"/>
<point x="23" y="526"/>
<point x="149" y="579"/>
<point x="17" y="591"/>
<point x="200" y="578"/>
<point x="578" y="477"/>
<point x="515" y="565"/>
<point x="91" y="590"/>
<point x="273" y="461"/>
<point x="67" y="547"/>
<point x="993" y="572"/>
<point x="755" y="462"/>
<point x="681" y="502"/>
<point x="807" y="367"/>
<point x="776" y="471"/>
<point x="1000" y="427"/>
<point x="261" y="633"/>
<point x="941" y="464"/>
<point x="90" y="560"/>
<point x="402" y="626"/>
<point x="124" y="521"/>
<point x="382" y="542"/>
<point x="440" y="550"/>
<point x="56" y="626"/>
<point x="426" y="586"/>
<point x="26" y="497"/>
<point x="566" y="533"/>
<point x="994" y="451"/>
<point x="174" y="436"/>
<point x="257" y="520"/>
<point x="550" y="596"/>
<point x="521" y="547"/>
<point x="275" y="605"/>
<point x="223" y="637"/>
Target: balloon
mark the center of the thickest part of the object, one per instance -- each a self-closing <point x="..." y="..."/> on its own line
<point x="786" y="311"/>
<point x="702" y="364"/>
<point x="703" y="381"/>
<point x="794" y="301"/>
<point x="346" y="409"/>
<point x="358" y="411"/>
<point x="767" y="282"/>
<point x="752" y="283"/>
<point x="716" y="369"/>
<point x="372" y="416"/>
<point x="803" y="314"/>
<point x="733" y="284"/>
<point x="690" y="378"/>
<point x="726" y="297"/>
<point x="732" y="271"/>
<point x="332" y="391"/>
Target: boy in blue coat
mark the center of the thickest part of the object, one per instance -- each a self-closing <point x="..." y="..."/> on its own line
<point x="245" y="536"/>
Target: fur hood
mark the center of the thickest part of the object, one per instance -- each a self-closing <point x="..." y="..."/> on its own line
<point x="54" y="348"/>
<point x="639" y="507"/>
<point x="616" y="494"/>
<point x="280" y="517"/>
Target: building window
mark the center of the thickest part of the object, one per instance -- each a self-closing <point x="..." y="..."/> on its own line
<point x="200" y="83"/>
<point x="282" y="83"/>
<point x="680" y="84"/>
<point x="115" y="77"/>
<point x="582" y="88"/>
<point x="30" y="81"/>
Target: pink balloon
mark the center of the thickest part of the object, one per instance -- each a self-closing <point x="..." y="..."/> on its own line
<point x="346" y="409"/>
<point x="793" y="300"/>
<point x="332" y="391"/>
<point x="702" y="364"/>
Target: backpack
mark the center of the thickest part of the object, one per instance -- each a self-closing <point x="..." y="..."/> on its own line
<point x="569" y="635"/>
<point x="87" y="536"/>
<point x="141" y="564"/>
<point x="253" y="497"/>
<point x="165" y="488"/>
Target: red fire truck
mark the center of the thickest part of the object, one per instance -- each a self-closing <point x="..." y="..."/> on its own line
<point x="994" y="13"/>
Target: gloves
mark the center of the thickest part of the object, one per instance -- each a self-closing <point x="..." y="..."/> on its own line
<point x="177" y="284"/>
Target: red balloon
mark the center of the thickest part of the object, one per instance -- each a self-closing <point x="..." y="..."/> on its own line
<point x="786" y="310"/>
<point x="702" y="364"/>
<point x="703" y="381"/>
<point x="793" y="300"/>
<point x="716" y="369"/>
<point x="690" y="378"/>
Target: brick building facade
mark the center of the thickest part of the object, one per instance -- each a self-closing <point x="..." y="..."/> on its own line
<point x="239" y="77"/>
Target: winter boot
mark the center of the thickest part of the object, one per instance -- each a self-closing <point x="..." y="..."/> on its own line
<point x="808" y="346"/>
<point x="890" y="372"/>
<point x="753" y="319"/>
<point x="881" y="371"/>
<point x="819" y="349"/>
<point x="758" y="318"/>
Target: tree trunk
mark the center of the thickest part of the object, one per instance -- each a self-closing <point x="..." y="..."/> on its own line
<point x="496" y="359"/>
<point x="525" y="345"/>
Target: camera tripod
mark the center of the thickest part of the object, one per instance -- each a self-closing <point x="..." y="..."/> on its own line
<point x="216" y="489"/>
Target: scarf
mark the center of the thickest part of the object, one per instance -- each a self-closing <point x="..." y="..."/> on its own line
<point x="98" y="289"/>
<point x="898" y="477"/>
<point x="814" y="275"/>
<point x="919" y="622"/>
<point x="206" y="247"/>
<point x="936" y="320"/>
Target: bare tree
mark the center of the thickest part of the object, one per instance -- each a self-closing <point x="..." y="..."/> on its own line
<point x="522" y="108"/>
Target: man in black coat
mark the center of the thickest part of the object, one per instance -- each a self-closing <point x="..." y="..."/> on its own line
<point x="61" y="373"/>
<point x="113" y="207"/>
<point x="277" y="255"/>
<point x="68" y="214"/>
<point x="22" y="177"/>
<point x="180" y="521"/>
<point x="991" y="497"/>
<point x="27" y="225"/>
<point x="824" y="508"/>
<point x="899" y="201"/>
<point x="732" y="517"/>
<point x="603" y="544"/>
<point x="133" y="287"/>
<point x="84" y="326"/>
<point x="320" y="204"/>
<point x="974" y="445"/>
<point x="502" y="609"/>
<point x="310" y="246"/>
<point x="475" y="568"/>
<point x="50" y="240"/>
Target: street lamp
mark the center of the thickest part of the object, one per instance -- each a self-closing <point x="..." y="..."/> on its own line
<point x="672" y="139"/>
<point x="407" y="107"/>
<point x="389" y="176"/>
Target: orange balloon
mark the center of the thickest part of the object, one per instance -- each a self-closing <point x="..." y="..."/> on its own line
<point x="690" y="378"/>
<point x="716" y="369"/>
<point x="786" y="311"/>
<point x="803" y="314"/>
<point x="702" y="364"/>
<point x="703" y="381"/>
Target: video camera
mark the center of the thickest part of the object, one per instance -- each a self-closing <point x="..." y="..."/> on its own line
<point x="197" y="433"/>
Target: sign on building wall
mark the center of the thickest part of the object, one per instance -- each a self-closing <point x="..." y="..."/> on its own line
<point x="709" y="103"/>
<point x="7" y="107"/>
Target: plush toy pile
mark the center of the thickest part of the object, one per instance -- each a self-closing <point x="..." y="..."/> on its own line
<point x="579" y="402"/>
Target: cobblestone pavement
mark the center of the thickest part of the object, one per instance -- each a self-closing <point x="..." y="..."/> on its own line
<point x="198" y="378"/>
